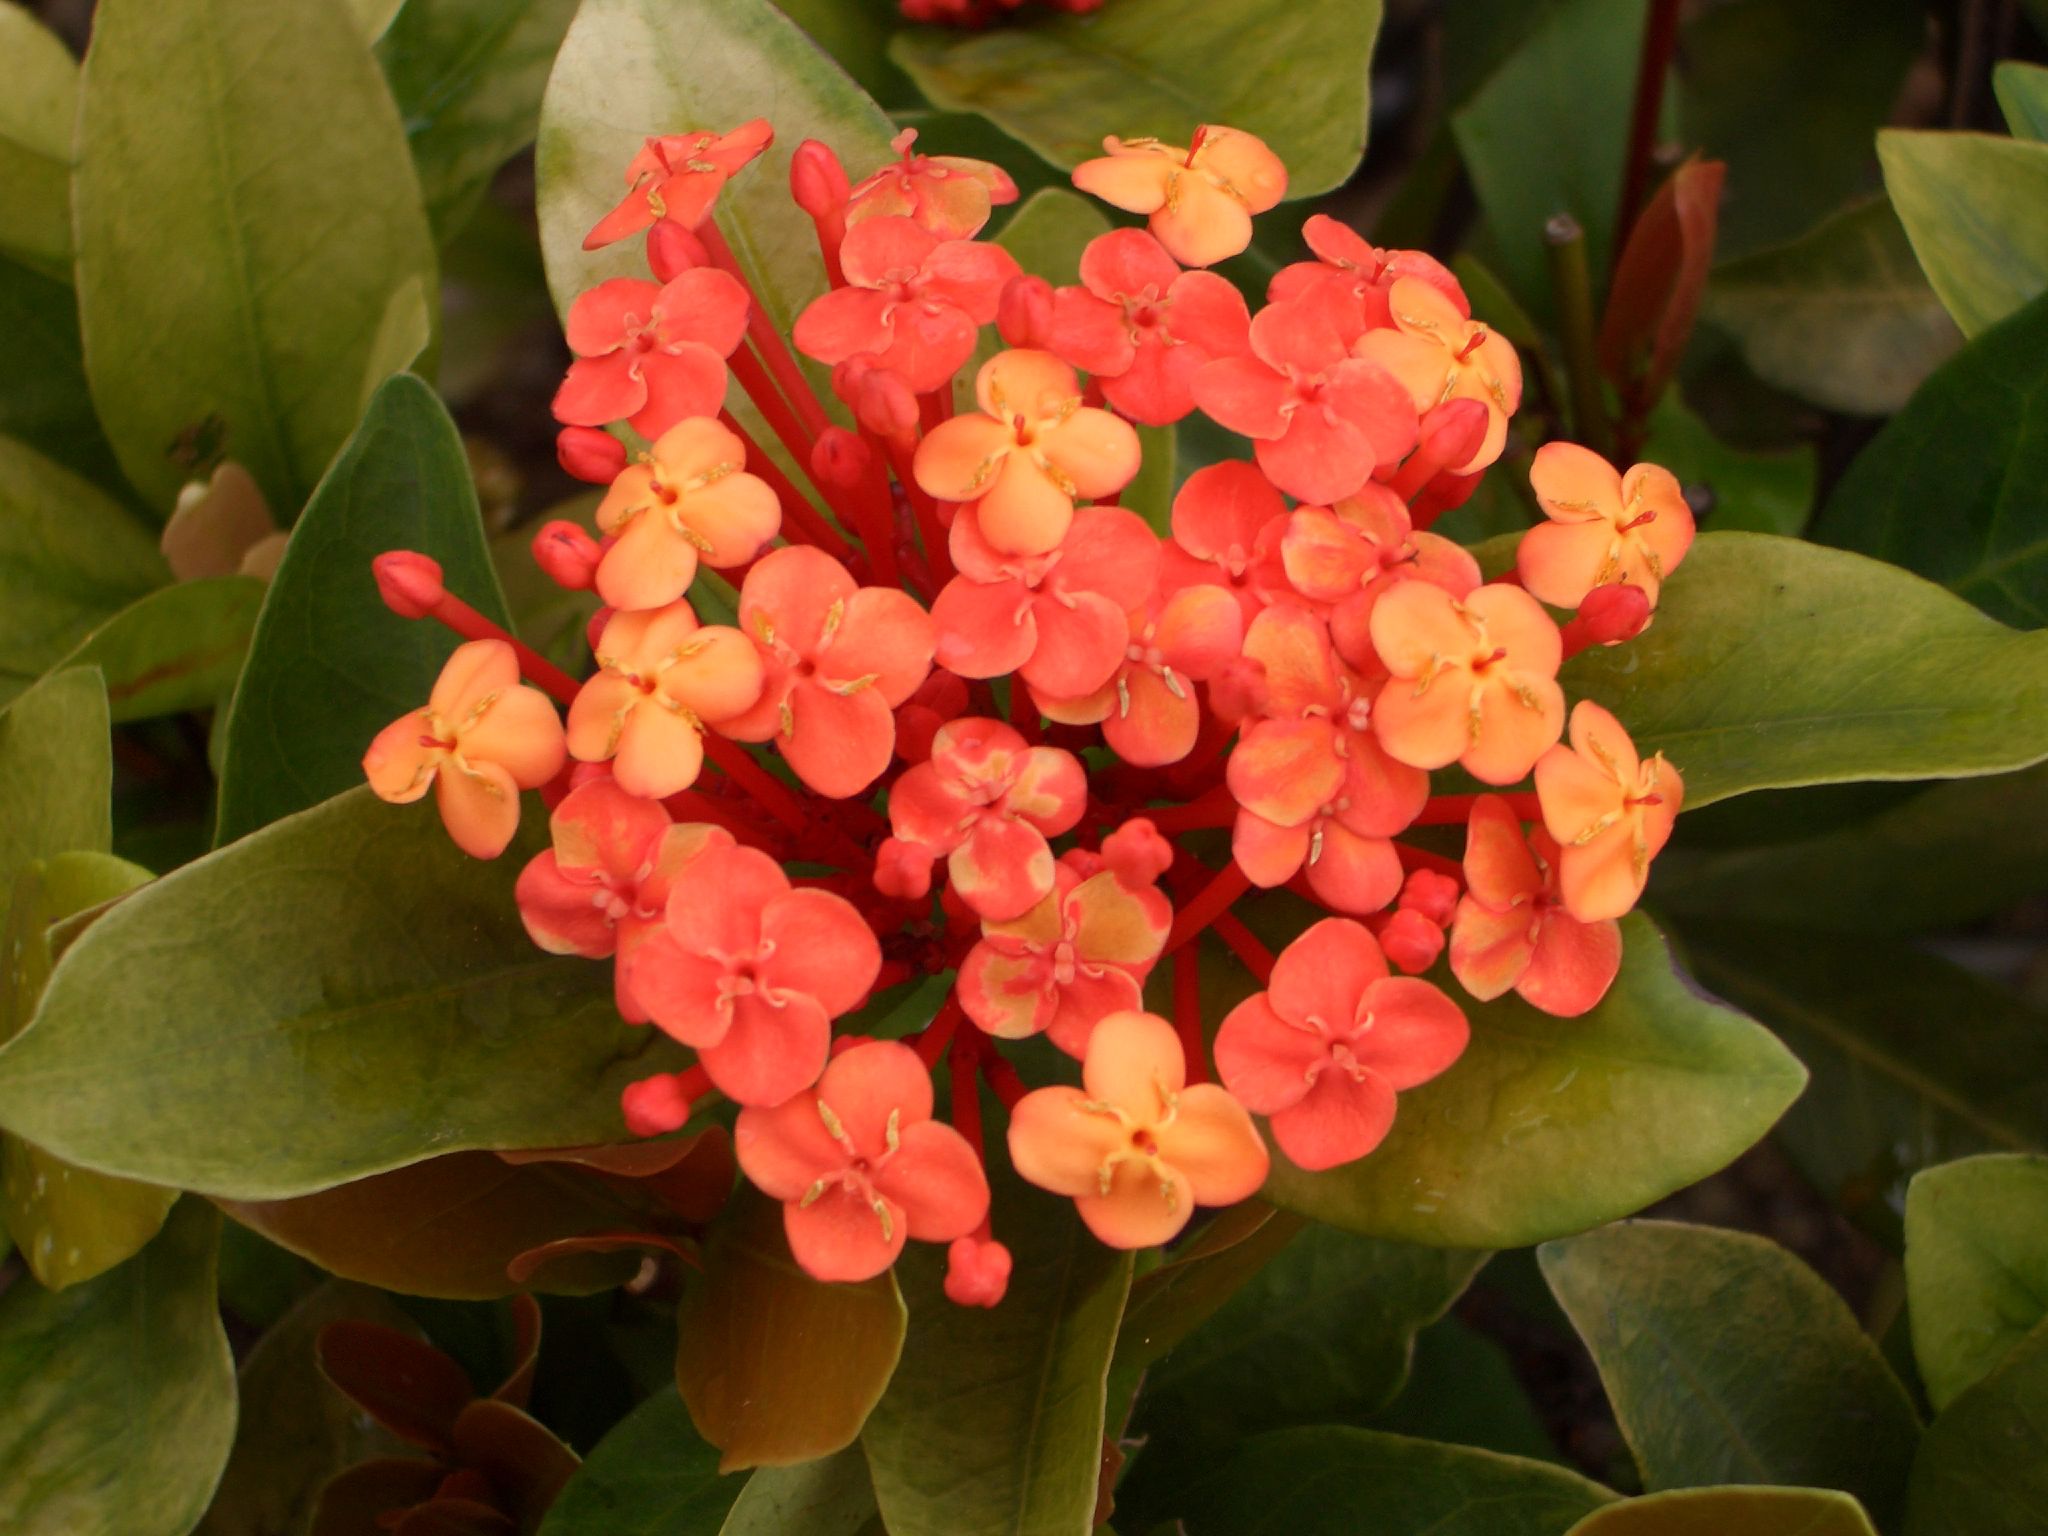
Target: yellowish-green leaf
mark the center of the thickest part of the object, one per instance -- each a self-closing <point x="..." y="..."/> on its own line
<point x="37" y="110"/>
<point x="1731" y="1512"/>
<point x="1976" y="1266"/>
<point x="1976" y="209"/>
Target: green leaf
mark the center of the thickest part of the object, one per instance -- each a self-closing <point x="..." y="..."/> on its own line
<point x="776" y="1367"/>
<point x="121" y="1394"/>
<point x="857" y="37"/>
<point x="1545" y="135"/>
<point x="467" y="76"/>
<point x="1976" y="1266"/>
<point x="1462" y="1387"/>
<point x="1516" y="1142"/>
<point x="330" y="665"/>
<point x="175" y="649"/>
<point x="1173" y="1300"/>
<point x="347" y="973"/>
<point x="650" y="1476"/>
<point x="1774" y="664"/>
<point x="1726" y="1360"/>
<point x="1725" y="1511"/>
<point x="1976" y="210"/>
<point x="633" y="68"/>
<point x="995" y="1418"/>
<point x="830" y="1497"/>
<point x="43" y="395"/>
<point x="1332" y="1481"/>
<point x="2022" y="91"/>
<point x="70" y="558"/>
<point x="36" y="114"/>
<point x="56" y="774"/>
<point x="1761" y="490"/>
<point x="1293" y="72"/>
<point x="1973" y="441"/>
<point x="1983" y="1464"/>
<point x="1841" y="316"/>
<point x="1915" y="1061"/>
<point x="1776" y="83"/>
<point x="245" y="209"/>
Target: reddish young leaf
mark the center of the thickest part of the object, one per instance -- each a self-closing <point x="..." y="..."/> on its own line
<point x="531" y="1263"/>
<point x="405" y="1384"/>
<point x="518" y="1384"/>
<point x="525" y="1463"/>
<point x="1658" y="282"/>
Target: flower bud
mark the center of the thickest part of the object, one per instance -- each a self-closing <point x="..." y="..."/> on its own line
<point x="673" y="250"/>
<point x="840" y="458"/>
<point x="409" y="583"/>
<point x="817" y="181"/>
<point x="590" y="453"/>
<point x="885" y="404"/>
<point x="1452" y="433"/>
<point x="1444" y="493"/>
<point x="1137" y="852"/>
<point x="902" y="870"/>
<point x="594" y="630"/>
<point x="1411" y="941"/>
<point x="977" y="1271"/>
<point x="567" y="554"/>
<point x="1610" y="615"/>
<point x="1432" y="894"/>
<point x="1024" y="312"/>
<point x="655" y="1105"/>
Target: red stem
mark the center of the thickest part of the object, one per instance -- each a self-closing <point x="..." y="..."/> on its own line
<point x="1024" y="710"/>
<point x="930" y="1044"/>
<point x="1187" y="1011"/>
<point x="1456" y="810"/>
<point x="536" y="668"/>
<point x="1660" y="39"/>
<point x="1413" y="858"/>
<point x="1225" y="887"/>
<point x="1256" y="957"/>
<point x="964" y="1062"/>
<point x="1003" y="1078"/>
<point x="788" y="373"/>
<point x="1215" y="808"/>
<point x="799" y="515"/>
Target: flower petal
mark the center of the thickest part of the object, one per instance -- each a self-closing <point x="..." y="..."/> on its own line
<point x="822" y="948"/>
<point x="1320" y="979"/>
<point x="937" y="1180"/>
<point x="1340" y="1121"/>
<point x="479" y="804"/>
<point x="870" y="1085"/>
<point x="770" y="1052"/>
<point x="1573" y="965"/>
<point x="838" y="1237"/>
<point x="1265" y="1061"/>
<point x="1213" y="1143"/>
<point x="1135" y="1063"/>
<point x="717" y="908"/>
<point x="1058" y="1145"/>
<point x="1411" y="1031"/>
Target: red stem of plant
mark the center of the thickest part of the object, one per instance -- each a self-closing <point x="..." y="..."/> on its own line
<point x="457" y="615"/>
<point x="782" y="363"/>
<point x="1215" y="808"/>
<point x="1024" y="710"/>
<point x="1225" y="887"/>
<point x="1256" y="957"/>
<point x="1456" y="810"/>
<point x="1187" y="1011"/>
<point x="799" y="515"/>
<point x="1003" y="1078"/>
<point x="1660" y="39"/>
<point x="930" y="1044"/>
<point x="964" y="1062"/>
<point x="1413" y="858"/>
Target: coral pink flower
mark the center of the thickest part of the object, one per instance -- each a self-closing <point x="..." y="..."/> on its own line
<point x="678" y="177"/>
<point x="1079" y="955"/>
<point x="1352" y="276"/>
<point x="1474" y="679"/>
<point x="860" y="1165"/>
<point x="917" y="303"/>
<point x="988" y="801"/>
<point x="837" y="658"/>
<point x="482" y="738"/>
<point x="1322" y="420"/>
<point x="1324" y="1050"/>
<point x="662" y="679"/>
<point x="1148" y="710"/>
<point x="1314" y="787"/>
<point x="651" y="355"/>
<point x="1135" y="1147"/>
<point x="1201" y="199"/>
<point x="1143" y="327"/>
<point x="977" y="1272"/>
<point x="1056" y="620"/>
<point x="690" y="498"/>
<point x="1343" y="557"/>
<point x="1604" y="527"/>
<point x="1030" y="452"/>
<point x="1512" y="930"/>
<point x="752" y="973"/>
<point x="1227" y="523"/>
<point x="1610" y="812"/>
<point x="1439" y="355"/>
<point x="949" y="195"/>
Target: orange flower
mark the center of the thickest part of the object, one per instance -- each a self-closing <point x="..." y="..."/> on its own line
<point x="1511" y="929"/>
<point x="1438" y="354"/>
<point x="678" y="177"/>
<point x="689" y="498"/>
<point x="1135" y="1147"/>
<point x="1474" y="679"/>
<point x="1610" y="812"/>
<point x="1201" y="199"/>
<point x="1346" y="555"/>
<point x="482" y="738"/>
<point x="947" y="194"/>
<point x="1604" y="527"/>
<point x="1032" y="451"/>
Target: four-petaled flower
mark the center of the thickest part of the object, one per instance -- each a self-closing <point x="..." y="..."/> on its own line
<point x="678" y="177"/>
<point x="860" y="1165"/>
<point x="1323" y="1051"/>
<point x="1345" y="556"/>
<point x="1135" y="1147"/>
<point x="1439" y="354"/>
<point x="837" y="658"/>
<point x="690" y="498"/>
<point x="752" y="973"/>
<point x="1148" y="710"/>
<point x="949" y="195"/>
<point x="1610" y="812"/>
<point x="1352" y="275"/>
<point x="482" y="738"/>
<point x="1227" y="522"/>
<point x="1511" y="929"/>
<point x="1200" y="198"/>
<point x="1603" y="527"/>
<point x="651" y="355"/>
<point x="1029" y="454"/>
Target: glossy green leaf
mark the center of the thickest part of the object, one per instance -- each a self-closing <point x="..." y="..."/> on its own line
<point x="43" y="395"/>
<point x="330" y="665"/>
<point x="1332" y="1481"/>
<point x="1294" y="72"/>
<point x="120" y="1394"/>
<point x="650" y="1476"/>
<point x="1726" y="1360"/>
<point x="2022" y="91"/>
<point x="1983" y="1464"/>
<point x="36" y="114"/>
<point x="1728" y="1511"/>
<point x="1173" y="1300"/>
<point x="177" y="648"/>
<point x="1976" y="1266"/>
<point x="346" y="972"/>
<point x="56" y="774"/>
<point x="778" y="1368"/>
<point x="1774" y="664"/>
<point x="1516" y="1142"/>
<point x="1761" y="490"/>
<point x="995" y="1418"/>
<point x="1973" y="441"/>
<point x="246" y="209"/>
<point x="1976" y="210"/>
<point x="1545" y="135"/>
<point x="1462" y="1387"/>
<point x="833" y="1496"/>
<point x="467" y="76"/>
<point x="372" y="17"/>
<point x="1915" y="1061"/>
<point x="70" y="558"/>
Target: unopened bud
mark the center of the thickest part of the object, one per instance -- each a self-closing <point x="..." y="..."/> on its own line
<point x="673" y="250"/>
<point x="1024" y="312"/>
<point x="1453" y="432"/>
<point x="817" y="181"/>
<point x="594" y="630"/>
<point x="590" y="453"/>
<point x="1432" y="893"/>
<point x="1137" y="852"/>
<point x="654" y="1106"/>
<point x="567" y="554"/>
<point x="1610" y="615"/>
<point x="977" y="1271"/>
<point x="886" y="404"/>
<point x="840" y="458"/>
<point x="1444" y="493"/>
<point x="409" y="583"/>
<point x="902" y="870"/>
<point x="1411" y="941"/>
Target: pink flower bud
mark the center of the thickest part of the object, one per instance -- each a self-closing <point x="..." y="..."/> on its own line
<point x="594" y="630"/>
<point x="673" y="250"/>
<point x="1411" y="941"/>
<point x="902" y="870"/>
<point x="1137" y="852"/>
<point x="840" y="458"/>
<point x="1024" y="312"/>
<point x="977" y="1271"/>
<point x="1431" y="893"/>
<point x="817" y="181"/>
<point x="1613" y="613"/>
<point x="1453" y="432"/>
<point x="590" y="453"/>
<point x="656" y="1105"/>
<point x="585" y="773"/>
<point x="409" y="583"/>
<point x="1444" y="493"/>
<point x="567" y="554"/>
<point x="886" y="404"/>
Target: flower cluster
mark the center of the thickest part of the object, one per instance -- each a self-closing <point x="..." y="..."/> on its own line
<point x="1007" y="709"/>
